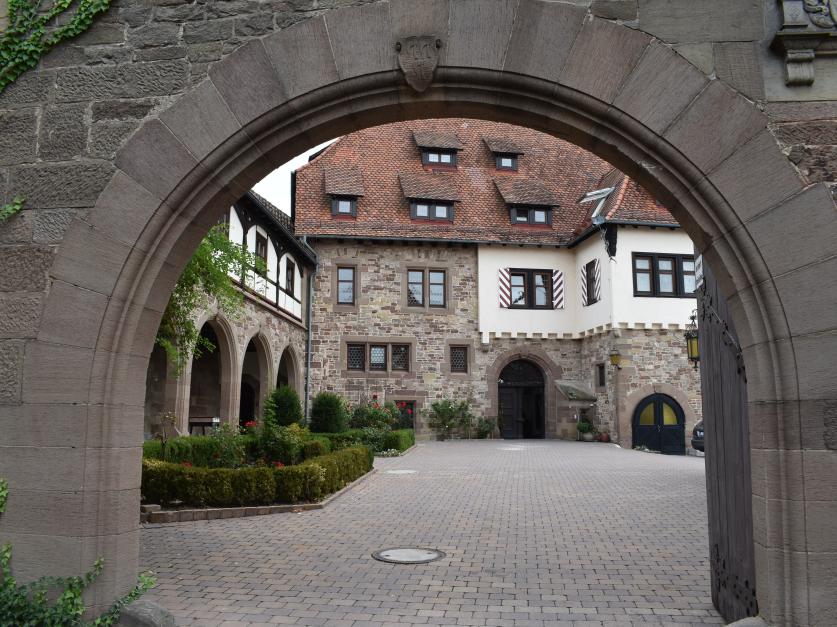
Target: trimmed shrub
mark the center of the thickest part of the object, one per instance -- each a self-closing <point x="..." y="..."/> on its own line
<point x="314" y="448"/>
<point x="166" y="483"/>
<point x="400" y="440"/>
<point x="152" y="449"/>
<point x="283" y="407"/>
<point x="282" y="444"/>
<point x="328" y="413"/>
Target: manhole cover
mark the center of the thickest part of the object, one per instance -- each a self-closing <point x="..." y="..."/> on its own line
<point x="407" y="555"/>
<point x="400" y="472"/>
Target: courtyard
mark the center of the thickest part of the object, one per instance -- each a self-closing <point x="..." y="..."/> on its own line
<point x="534" y="533"/>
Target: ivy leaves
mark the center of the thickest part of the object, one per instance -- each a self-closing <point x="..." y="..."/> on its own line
<point x="206" y="277"/>
<point x="7" y="211"/>
<point x="33" y="32"/>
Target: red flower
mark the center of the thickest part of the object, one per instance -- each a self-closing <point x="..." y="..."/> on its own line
<point x="374" y="397"/>
<point x="250" y="423"/>
<point x="409" y="412"/>
<point x="402" y="404"/>
<point x="278" y="465"/>
<point x="186" y="464"/>
<point x="376" y="406"/>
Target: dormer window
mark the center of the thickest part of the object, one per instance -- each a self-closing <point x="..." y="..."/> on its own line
<point x="438" y="157"/>
<point x="344" y="206"/>
<point x="537" y="216"/>
<point x="431" y="210"/>
<point x="506" y="161"/>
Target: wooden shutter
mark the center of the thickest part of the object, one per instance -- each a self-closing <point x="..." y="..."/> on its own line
<point x="504" y="288"/>
<point x="598" y="280"/>
<point x="584" y="285"/>
<point x="557" y="289"/>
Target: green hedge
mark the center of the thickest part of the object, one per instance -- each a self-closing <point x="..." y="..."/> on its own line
<point x="198" y="450"/>
<point x="165" y="483"/>
<point x="400" y="440"/>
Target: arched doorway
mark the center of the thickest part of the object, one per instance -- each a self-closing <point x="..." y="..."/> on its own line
<point x="251" y="384"/>
<point x="205" y="384"/>
<point x="286" y="371"/>
<point x="521" y="399"/>
<point x="659" y="424"/>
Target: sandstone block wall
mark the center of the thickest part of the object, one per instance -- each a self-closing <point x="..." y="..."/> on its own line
<point x="654" y="356"/>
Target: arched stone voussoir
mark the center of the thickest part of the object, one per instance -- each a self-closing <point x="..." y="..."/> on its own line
<point x="156" y="159"/>
<point x="603" y="56"/>
<point x="771" y="371"/>
<point x="736" y="261"/>
<point x="714" y="125"/>
<point x="361" y="40"/>
<point x="475" y="30"/>
<point x="754" y="178"/>
<point x="660" y="87"/>
<point x="56" y="373"/>
<point x="542" y="37"/>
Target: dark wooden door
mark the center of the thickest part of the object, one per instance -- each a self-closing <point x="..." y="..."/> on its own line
<point x="510" y="414"/>
<point x="659" y="424"/>
<point x="727" y="444"/>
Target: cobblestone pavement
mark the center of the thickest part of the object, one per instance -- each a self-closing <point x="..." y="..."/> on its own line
<point x="535" y="532"/>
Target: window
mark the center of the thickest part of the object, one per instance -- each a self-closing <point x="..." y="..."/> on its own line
<point x="345" y="286"/>
<point x="531" y="289"/>
<point x="601" y="376"/>
<point x="590" y="274"/>
<point x="290" y="277"/>
<point x="664" y="275"/>
<point x="459" y="359"/>
<point x="343" y="206"/>
<point x="261" y="247"/>
<point x="415" y="288"/>
<point x="356" y="357"/>
<point x="531" y="215"/>
<point x="436" y="281"/>
<point x="506" y="161"/>
<point x="430" y="210"/>
<point x="401" y="357"/>
<point x="438" y="157"/>
<point x="378" y="357"/>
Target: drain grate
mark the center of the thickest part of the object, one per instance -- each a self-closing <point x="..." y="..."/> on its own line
<point x="405" y="555"/>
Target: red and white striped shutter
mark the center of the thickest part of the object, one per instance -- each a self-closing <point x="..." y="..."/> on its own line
<point x="504" y="288"/>
<point x="557" y="289"/>
<point x="584" y="285"/>
<point x="598" y="282"/>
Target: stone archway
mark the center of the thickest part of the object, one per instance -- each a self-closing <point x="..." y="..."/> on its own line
<point x="695" y="143"/>
<point x="256" y="376"/>
<point x="628" y="406"/>
<point x="288" y="369"/>
<point x="551" y="372"/>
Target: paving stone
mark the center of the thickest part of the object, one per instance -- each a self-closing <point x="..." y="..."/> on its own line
<point x="545" y="535"/>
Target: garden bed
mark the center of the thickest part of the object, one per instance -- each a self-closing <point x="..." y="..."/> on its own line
<point x="167" y="483"/>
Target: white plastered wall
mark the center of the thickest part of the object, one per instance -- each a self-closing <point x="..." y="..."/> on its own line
<point x="291" y="305"/>
<point x="596" y="317"/>
<point x="236" y="235"/>
<point x="630" y="311"/>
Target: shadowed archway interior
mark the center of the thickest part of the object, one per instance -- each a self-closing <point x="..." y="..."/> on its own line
<point x="694" y="143"/>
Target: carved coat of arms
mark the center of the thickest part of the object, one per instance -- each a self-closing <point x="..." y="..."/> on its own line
<point x="823" y="12"/>
<point x="418" y="58"/>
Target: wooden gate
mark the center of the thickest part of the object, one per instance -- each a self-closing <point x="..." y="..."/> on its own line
<point x="727" y="443"/>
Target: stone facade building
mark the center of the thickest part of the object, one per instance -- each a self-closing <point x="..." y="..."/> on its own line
<point x="262" y="348"/>
<point x="422" y="229"/>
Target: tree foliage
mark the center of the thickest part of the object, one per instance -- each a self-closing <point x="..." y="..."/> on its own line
<point x="35" y="27"/>
<point x="206" y="277"/>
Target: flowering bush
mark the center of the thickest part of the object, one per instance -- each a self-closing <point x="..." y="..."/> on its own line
<point x="374" y="415"/>
<point x="446" y="415"/>
<point x="282" y="444"/>
<point x="230" y="448"/>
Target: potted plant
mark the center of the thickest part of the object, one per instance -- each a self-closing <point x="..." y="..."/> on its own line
<point x="585" y="428"/>
<point x="604" y="435"/>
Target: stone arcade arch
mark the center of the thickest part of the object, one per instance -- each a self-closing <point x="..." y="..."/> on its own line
<point x="256" y="377"/>
<point x="696" y="144"/>
<point x="287" y="370"/>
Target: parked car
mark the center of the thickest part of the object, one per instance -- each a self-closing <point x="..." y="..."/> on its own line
<point x="697" y="436"/>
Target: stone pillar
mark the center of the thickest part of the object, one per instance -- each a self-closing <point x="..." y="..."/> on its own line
<point x="4" y="11"/>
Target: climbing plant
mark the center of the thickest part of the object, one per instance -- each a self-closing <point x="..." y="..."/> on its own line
<point x="54" y="600"/>
<point x="34" y="29"/>
<point x="10" y="209"/>
<point x="206" y="277"/>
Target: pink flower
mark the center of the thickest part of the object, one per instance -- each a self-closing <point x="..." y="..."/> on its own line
<point x="186" y="464"/>
<point x="249" y="424"/>
<point x="278" y="465"/>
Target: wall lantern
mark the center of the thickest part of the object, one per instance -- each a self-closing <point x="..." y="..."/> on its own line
<point x="616" y="359"/>
<point x="691" y="335"/>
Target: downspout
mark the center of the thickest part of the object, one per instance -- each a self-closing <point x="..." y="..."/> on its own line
<point x="309" y="316"/>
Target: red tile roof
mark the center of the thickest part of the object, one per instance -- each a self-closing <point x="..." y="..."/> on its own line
<point x="390" y="161"/>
